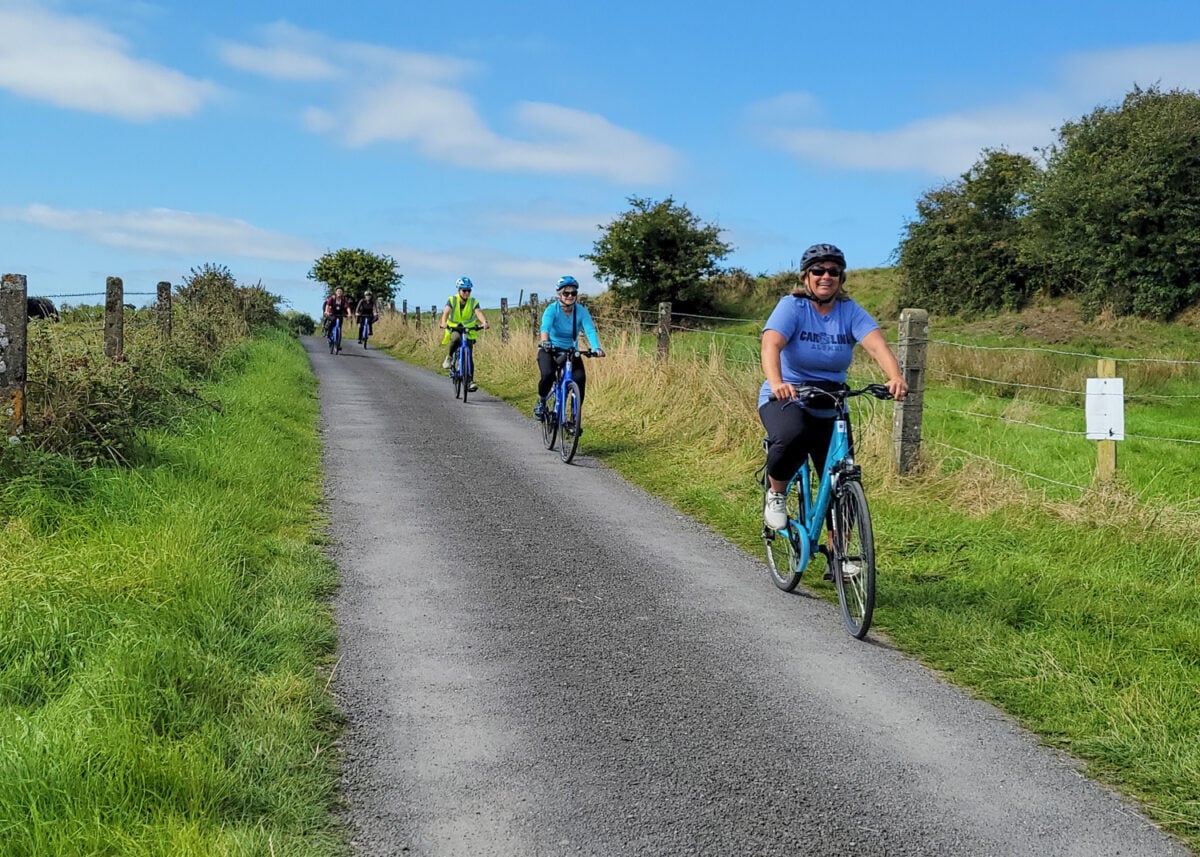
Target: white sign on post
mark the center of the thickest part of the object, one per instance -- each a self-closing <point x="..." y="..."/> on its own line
<point x="1105" y="408"/>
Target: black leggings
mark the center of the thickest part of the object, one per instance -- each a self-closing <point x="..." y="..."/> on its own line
<point x="547" y="363"/>
<point x="792" y="434"/>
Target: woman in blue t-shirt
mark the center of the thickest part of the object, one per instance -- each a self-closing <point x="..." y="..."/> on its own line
<point x="809" y="340"/>
<point x="562" y="322"/>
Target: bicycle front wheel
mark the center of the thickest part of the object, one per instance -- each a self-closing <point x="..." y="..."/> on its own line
<point x="854" y="559"/>
<point x="456" y="374"/>
<point x="783" y="560"/>
<point x="468" y="373"/>
<point x="572" y="425"/>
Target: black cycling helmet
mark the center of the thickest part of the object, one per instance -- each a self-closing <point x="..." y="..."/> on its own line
<point x="822" y="253"/>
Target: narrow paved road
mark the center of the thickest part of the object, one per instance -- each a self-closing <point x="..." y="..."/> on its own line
<point x="539" y="659"/>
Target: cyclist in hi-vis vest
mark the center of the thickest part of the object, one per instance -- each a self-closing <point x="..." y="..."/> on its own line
<point x="462" y="309"/>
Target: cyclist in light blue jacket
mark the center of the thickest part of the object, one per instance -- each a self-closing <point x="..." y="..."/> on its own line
<point x="562" y="322"/>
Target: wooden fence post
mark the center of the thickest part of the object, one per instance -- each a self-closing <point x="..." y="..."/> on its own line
<point x="504" y="319"/>
<point x="1106" y="450"/>
<point x="417" y="318"/>
<point x="404" y="312"/>
<point x="114" y="318"/>
<point x="664" y="331"/>
<point x="14" y="318"/>
<point x="906" y="421"/>
<point x="535" y="322"/>
<point x="162" y="310"/>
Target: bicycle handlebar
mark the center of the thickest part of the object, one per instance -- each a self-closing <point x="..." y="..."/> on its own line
<point x="879" y="391"/>
<point x="463" y="328"/>
<point x="589" y="353"/>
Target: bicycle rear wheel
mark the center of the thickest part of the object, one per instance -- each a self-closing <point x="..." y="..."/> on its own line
<point x="550" y="422"/>
<point x="854" y="558"/>
<point x="572" y="422"/>
<point x="783" y="560"/>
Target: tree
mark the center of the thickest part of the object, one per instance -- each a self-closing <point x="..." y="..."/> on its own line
<point x="963" y="252"/>
<point x="357" y="271"/>
<point x="658" y="251"/>
<point x="1118" y="212"/>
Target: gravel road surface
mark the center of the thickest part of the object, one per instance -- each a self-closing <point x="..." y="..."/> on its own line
<point x="540" y="659"/>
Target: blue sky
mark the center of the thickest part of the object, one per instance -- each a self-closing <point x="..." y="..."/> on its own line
<point x="142" y="139"/>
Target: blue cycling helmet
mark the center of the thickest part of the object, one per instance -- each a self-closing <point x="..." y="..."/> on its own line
<point x="465" y="283"/>
<point x="821" y="253"/>
<point x="563" y="282"/>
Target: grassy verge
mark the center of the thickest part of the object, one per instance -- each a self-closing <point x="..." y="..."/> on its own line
<point x="1074" y="612"/>
<point x="158" y="687"/>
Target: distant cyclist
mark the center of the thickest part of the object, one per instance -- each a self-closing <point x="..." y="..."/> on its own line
<point x="562" y="322"/>
<point x="462" y="309"/>
<point x="809" y="340"/>
<point x="337" y="305"/>
<point x="366" y="311"/>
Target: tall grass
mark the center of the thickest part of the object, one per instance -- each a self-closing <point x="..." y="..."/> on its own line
<point x="159" y="689"/>
<point x="1073" y="610"/>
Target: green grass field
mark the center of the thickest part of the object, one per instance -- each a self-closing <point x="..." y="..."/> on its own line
<point x="163" y="661"/>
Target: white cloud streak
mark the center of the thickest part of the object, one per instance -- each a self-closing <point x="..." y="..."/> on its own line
<point x="79" y="65"/>
<point x="948" y="145"/>
<point x="389" y="96"/>
<point x="164" y="230"/>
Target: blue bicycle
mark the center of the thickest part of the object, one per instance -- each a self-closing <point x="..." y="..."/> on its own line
<point x="840" y="501"/>
<point x="566" y="412"/>
<point x="335" y="335"/>
<point x="364" y="329"/>
<point x="462" y="365"/>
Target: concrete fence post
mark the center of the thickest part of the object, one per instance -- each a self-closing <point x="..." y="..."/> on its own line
<point x="404" y="312"/>
<point x="114" y="318"/>
<point x="14" y="318"/>
<point x="906" y="422"/>
<point x="504" y="319"/>
<point x="664" y="331"/>
<point x="534" y="322"/>
<point x="162" y="310"/>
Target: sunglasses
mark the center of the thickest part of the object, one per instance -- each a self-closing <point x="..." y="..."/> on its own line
<point x="820" y="272"/>
<point x="568" y="294"/>
<point x="461" y="289"/>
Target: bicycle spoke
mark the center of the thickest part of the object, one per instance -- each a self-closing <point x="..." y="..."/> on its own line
<point x="854" y="559"/>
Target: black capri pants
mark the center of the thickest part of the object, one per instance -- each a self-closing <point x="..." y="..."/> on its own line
<point x="548" y="362"/>
<point x="794" y="433"/>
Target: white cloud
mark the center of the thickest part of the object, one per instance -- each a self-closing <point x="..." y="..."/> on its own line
<point x="948" y="145"/>
<point x="80" y="65"/>
<point x="421" y="100"/>
<point x="164" y="230"/>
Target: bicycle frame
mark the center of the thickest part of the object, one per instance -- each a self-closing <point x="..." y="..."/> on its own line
<point x="814" y="507"/>
<point x="462" y="368"/>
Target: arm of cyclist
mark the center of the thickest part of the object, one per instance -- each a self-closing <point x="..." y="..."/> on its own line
<point x="877" y="347"/>
<point x="589" y="330"/>
<point x="481" y="318"/>
<point x="772" y="345"/>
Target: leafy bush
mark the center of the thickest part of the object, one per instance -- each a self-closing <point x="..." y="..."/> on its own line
<point x="300" y="324"/>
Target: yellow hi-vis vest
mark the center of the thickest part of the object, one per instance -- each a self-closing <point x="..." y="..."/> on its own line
<point x="461" y="313"/>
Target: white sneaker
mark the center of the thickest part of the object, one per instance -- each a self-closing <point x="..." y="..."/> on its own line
<point x="775" y="510"/>
<point x="446" y="362"/>
<point x="472" y="387"/>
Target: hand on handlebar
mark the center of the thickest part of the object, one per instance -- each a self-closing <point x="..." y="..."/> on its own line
<point x="546" y="345"/>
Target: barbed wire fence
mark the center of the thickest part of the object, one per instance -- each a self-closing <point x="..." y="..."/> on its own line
<point x="111" y="318"/>
<point x="1016" y="388"/>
